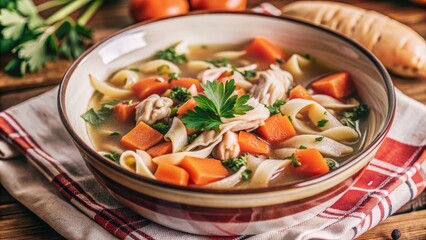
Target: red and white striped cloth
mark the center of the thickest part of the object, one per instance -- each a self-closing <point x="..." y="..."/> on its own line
<point x="55" y="184"/>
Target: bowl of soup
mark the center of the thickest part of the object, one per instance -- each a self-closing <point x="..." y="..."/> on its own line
<point x="226" y="123"/>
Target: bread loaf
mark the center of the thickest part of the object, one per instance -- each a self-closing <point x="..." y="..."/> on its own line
<point x="397" y="46"/>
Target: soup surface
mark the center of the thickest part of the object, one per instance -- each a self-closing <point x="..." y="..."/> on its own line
<point x="235" y="116"/>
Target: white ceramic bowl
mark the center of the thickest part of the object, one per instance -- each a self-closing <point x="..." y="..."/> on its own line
<point x="225" y="212"/>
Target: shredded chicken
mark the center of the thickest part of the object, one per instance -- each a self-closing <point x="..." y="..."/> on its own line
<point x="249" y="121"/>
<point x="212" y="74"/>
<point x="228" y="147"/>
<point x="273" y="85"/>
<point x="153" y="108"/>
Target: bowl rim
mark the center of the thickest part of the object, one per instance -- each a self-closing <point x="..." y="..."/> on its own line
<point x="296" y="184"/>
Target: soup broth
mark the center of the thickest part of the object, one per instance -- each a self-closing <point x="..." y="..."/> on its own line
<point x="288" y="116"/>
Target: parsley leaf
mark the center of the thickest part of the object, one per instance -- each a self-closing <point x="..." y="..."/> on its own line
<point x="192" y="137"/>
<point x="275" y="108"/>
<point x="219" y="62"/>
<point x="161" y="127"/>
<point x="294" y="161"/>
<point x="332" y="164"/>
<point x="113" y="156"/>
<point x="115" y="133"/>
<point x="302" y="147"/>
<point x="173" y="76"/>
<point x="180" y="93"/>
<point x="319" y="139"/>
<point x="235" y="163"/>
<point x="245" y="175"/>
<point x="322" y="122"/>
<point x="217" y="102"/>
<point x="349" y="118"/>
<point x="96" y="117"/>
<point x="170" y="54"/>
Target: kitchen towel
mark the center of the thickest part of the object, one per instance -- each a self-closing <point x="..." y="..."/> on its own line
<point x="67" y="197"/>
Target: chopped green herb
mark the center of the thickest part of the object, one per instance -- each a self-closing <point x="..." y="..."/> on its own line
<point x="295" y="161"/>
<point x="113" y="156"/>
<point x="275" y="108"/>
<point x="192" y="137"/>
<point x="235" y="163"/>
<point x="171" y="55"/>
<point x="349" y="118"/>
<point x="219" y="62"/>
<point x="307" y="56"/>
<point x="96" y="117"/>
<point x="245" y="175"/>
<point x="134" y="69"/>
<point x="180" y="93"/>
<point x="302" y="147"/>
<point x="173" y="110"/>
<point x="115" y="133"/>
<point x="279" y="60"/>
<point x="247" y="74"/>
<point x="162" y="127"/>
<point x="332" y="164"/>
<point x="325" y="113"/>
<point x="217" y="102"/>
<point x="173" y="76"/>
<point x="164" y="69"/>
<point x="319" y="139"/>
<point x="322" y="122"/>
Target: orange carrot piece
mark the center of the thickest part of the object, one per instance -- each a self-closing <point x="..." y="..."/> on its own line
<point x="264" y="49"/>
<point x="152" y="85"/>
<point x="125" y="112"/>
<point x="203" y="170"/>
<point x="171" y="174"/>
<point x="300" y="92"/>
<point x="141" y="137"/>
<point x="188" y="105"/>
<point x="190" y="131"/>
<point x="276" y="129"/>
<point x="312" y="162"/>
<point x="337" y="85"/>
<point x="186" y="83"/>
<point x="160" y="149"/>
<point x="249" y="143"/>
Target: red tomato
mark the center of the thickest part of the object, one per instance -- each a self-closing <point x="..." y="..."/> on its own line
<point x="142" y="10"/>
<point x="232" y="5"/>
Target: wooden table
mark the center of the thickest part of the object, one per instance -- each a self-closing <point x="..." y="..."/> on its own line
<point x="17" y="222"/>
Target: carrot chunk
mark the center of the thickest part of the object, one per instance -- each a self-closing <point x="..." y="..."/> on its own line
<point x="125" y="112"/>
<point x="172" y="174"/>
<point x="141" y="137"/>
<point x="152" y="85"/>
<point x="188" y="105"/>
<point x="160" y="149"/>
<point x="276" y="129"/>
<point x="186" y="83"/>
<point x="249" y="143"/>
<point x="264" y="49"/>
<point x="312" y="162"/>
<point x="337" y="85"/>
<point x="203" y="170"/>
<point x="300" y="92"/>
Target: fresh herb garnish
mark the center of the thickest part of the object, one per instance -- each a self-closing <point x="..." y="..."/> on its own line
<point x="180" y="93"/>
<point x="115" y="133"/>
<point x="275" y="108"/>
<point x="134" y="69"/>
<point x="96" y="117"/>
<point x="235" y="163"/>
<point x="245" y="175"/>
<point x="217" y="102"/>
<point x="219" y="62"/>
<point x="161" y="127"/>
<point x="325" y="113"/>
<point x="332" y="164"/>
<point x="294" y="161"/>
<point x="247" y="74"/>
<point x="349" y="118"/>
<point x="170" y="54"/>
<point x="302" y="147"/>
<point x="192" y="137"/>
<point x="173" y="76"/>
<point x="173" y="110"/>
<point x="113" y="156"/>
<point x="322" y="122"/>
<point x="319" y="139"/>
<point x="33" y="40"/>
